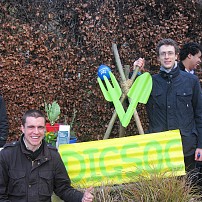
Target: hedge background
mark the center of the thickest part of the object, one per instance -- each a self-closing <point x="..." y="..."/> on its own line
<point x="51" y="50"/>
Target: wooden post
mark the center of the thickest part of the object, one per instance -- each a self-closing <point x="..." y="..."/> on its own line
<point x="120" y="68"/>
<point x="122" y="130"/>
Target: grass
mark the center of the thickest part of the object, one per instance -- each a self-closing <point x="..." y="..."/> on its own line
<point x="158" y="188"/>
<point x="162" y="189"/>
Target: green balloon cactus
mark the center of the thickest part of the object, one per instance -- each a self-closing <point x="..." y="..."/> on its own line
<point x="52" y="111"/>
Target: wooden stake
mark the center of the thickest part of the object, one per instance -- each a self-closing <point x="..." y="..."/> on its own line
<point x="120" y="68"/>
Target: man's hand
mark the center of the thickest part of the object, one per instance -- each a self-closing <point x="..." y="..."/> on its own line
<point x="140" y="63"/>
<point x="88" y="197"/>
<point x="198" y="154"/>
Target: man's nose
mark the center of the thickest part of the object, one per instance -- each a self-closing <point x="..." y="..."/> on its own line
<point x="36" y="130"/>
<point x="167" y="55"/>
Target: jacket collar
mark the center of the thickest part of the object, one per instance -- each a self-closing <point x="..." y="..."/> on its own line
<point x="183" y="68"/>
<point x="44" y="154"/>
<point x="168" y="70"/>
<point x="172" y="74"/>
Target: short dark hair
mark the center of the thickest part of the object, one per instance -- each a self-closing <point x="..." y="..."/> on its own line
<point x="189" y="48"/>
<point x="167" y="42"/>
<point x="32" y="113"/>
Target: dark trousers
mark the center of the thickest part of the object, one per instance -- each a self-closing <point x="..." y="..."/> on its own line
<point x="193" y="169"/>
<point x="190" y="163"/>
<point x="199" y="168"/>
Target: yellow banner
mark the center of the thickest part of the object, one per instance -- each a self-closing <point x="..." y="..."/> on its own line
<point x="119" y="160"/>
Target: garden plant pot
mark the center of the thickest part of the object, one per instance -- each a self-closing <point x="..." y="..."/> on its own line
<point x="54" y="128"/>
<point x="72" y="140"/>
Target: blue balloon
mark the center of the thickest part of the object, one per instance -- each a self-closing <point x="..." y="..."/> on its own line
<point x="103" y="70"/>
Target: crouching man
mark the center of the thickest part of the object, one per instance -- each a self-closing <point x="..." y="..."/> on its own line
<point x="31" y="171"/>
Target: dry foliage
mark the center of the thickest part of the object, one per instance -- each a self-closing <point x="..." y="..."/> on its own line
<point x="51" y="50"/>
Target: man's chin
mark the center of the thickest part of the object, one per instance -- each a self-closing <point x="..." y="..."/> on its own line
<point x="167" y="67"/>
<point x="36" y="142"/>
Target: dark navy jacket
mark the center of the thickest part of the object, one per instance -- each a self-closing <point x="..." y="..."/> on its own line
<point x="176" y="103"/>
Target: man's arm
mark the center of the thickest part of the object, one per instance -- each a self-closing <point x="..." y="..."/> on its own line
<point x="63" y="188"/>
<point x="62" y="184"/>
<point x="3" y="179"/>
<point x="3" y="122"/>
<point x="197" y="103"/>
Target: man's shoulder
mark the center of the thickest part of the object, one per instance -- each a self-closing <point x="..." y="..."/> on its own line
<point x="156" y="76"/>
<point x="51" y="148"/>
<point x="187" y="75"/>
<point x="10" y="148"/>
<point x="53" y="151"/>
<point x="11" y="145"/>
<point x="183" y="76"/>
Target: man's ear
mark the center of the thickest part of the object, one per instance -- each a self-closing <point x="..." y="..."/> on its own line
<point x="176" y="56"/>
<point x="189" y="56"/>
<point x="22" y="128"/>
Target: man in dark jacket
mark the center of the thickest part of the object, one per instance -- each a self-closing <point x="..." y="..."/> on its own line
<point x="176" y="102"/>
<point x="30" y="170"/>
<point x="190" y="57"/>
<point x="3" y="122"/>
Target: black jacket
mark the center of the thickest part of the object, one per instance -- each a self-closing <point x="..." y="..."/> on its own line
<point x="176" y="103"/>
<point x="3" y="122"/>
<point x="24" y="180"/>
<point x="182" y="67"/>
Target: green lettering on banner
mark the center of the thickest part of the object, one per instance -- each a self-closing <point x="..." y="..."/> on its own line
<point x="151" y="146"/>
<point x="90" y="152"/>
<point x="168" y="152"/>
<point x="81" y="162"/>
<point x="103" y="156"/>
<point x="137" y="163"/>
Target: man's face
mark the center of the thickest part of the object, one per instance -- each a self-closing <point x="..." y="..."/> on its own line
<point x="167" y="56"/>
<point x="194" y="60"/>
<point x="33" y="130"/>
